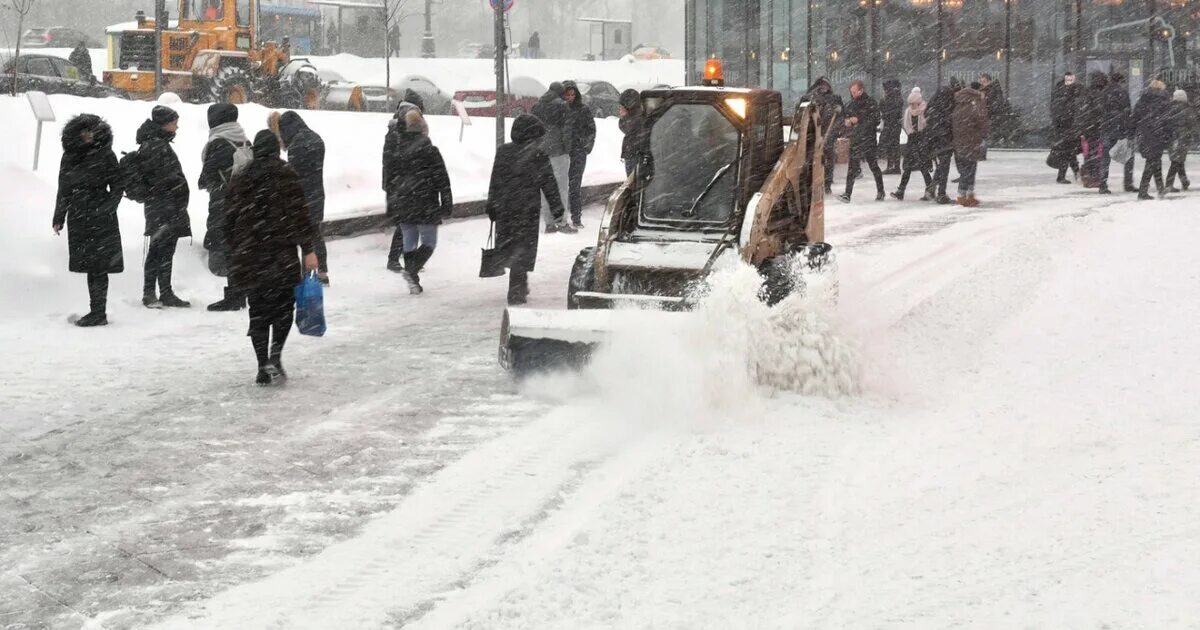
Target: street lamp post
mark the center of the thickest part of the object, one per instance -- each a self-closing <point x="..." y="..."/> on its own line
<point x="941" y="43"/>
<point x="1008" y="46"/>
<point x="809" y="47"/>
<point x="428" y="48"/>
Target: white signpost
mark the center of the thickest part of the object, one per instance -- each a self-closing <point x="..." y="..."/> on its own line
<point x="44" y="113"/>
<point x="463" y="117"/>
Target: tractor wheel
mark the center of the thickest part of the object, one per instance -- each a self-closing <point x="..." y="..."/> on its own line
<point x="231" y="85"/>
<point x="778" y="283"/>
<point x="583" y="276"/>
<point x="302" y="91"/>
<point x="781" y="278"/>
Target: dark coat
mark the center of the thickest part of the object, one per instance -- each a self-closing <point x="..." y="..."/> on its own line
<point x="632" y="124"/>
<point x="1118" y="122"/>
<point x="997" y="106"/>
<point x="167" y="203"/>
<point x="551" y="109"/>
<point x="821" y="94"/>
<point x="306" y="154"/>
<point x="82" y="59"/>
<point x="267" y="219"/>
<point x="971" y="124"/>
<point x="1184" y="122"/>
<point x="1153" y="123"/>
<point x="418" y="186"/>
<point x="1064" y="105"/>
<point x="940" y="130"/>
<point x="579" y="126"/>
<point x="862" y="135"/>
<point x="891" y="111"/>
<point x="1104" y="111"/>
<point x="89" y="191"/>
<point x="520" y="176"/>
<point x="215" y="176"/>
<point x="917" y="153"/>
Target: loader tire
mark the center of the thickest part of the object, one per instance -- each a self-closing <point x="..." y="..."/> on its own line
<point x="583" y="276"/>
<point x="778" y="283"/>
<point x="302" y="91"/>
<point x="231" y="85"/>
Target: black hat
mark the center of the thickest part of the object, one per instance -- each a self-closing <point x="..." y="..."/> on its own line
<point x="163" y="115"/>
<point x="221" y="113"/>
<point x="266" y="144"/>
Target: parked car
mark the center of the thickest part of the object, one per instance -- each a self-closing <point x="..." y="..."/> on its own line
<point x="56" y="37"/>
<point x="650" y="53"/>
<point x="52" y="75"/>
<point x="379" y="99"/>
<point x="601" y="97"/>
<point x="437" y="102"/>
<point x="522" y="96"/>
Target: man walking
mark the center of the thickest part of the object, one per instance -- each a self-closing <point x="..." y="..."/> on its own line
<point x="997" y="106"/>
<point x="891" y="109"/>
<point x="971" y="127"/>
<point x="1155" y="131"/>
<point x="306" y="154"/>
<point x="551" y="110"/>
<point x="394" y="40"/>
<point x="227" y="144"/>
<point x="1120" y="125"/>
<point x="579" y="137"/>
<point x="861" y="121"/>
<point x="940" y="136"/>
<point x="1064" y="104"/>
<point x="820" y="94"/>
<point x="166" y="204"/>
<point x="632" y="124"/>
<point x="82" y="60"/>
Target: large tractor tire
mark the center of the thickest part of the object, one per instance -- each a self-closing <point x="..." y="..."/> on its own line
<point x="780" y="278"/>
<point x="302" y="91"/>
<point x="583" y="276"/>
<point x="231" y="85"/>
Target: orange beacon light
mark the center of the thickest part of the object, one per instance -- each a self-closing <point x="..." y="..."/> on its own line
<point x="714" y="73"/>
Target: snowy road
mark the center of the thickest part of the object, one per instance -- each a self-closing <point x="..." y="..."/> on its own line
<point x="1023" y="452"/>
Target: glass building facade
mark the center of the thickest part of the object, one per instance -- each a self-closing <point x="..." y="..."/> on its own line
<point x="1025" y="44"/>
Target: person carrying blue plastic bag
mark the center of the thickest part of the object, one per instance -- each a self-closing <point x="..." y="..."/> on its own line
<point x="268" y="227"/>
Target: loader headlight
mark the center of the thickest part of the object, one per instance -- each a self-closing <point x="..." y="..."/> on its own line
<point x="738" y="105"/>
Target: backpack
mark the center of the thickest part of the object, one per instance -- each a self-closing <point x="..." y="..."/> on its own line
<point x="243" y="155"/>
<point x="137" y="188"/>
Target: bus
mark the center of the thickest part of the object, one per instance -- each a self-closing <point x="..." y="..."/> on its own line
<point x="301" y="25"/>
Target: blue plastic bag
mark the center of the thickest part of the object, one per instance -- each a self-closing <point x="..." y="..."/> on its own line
<point x="310" y="307"/>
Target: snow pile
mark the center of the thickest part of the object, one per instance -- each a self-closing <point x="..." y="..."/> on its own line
<point x="730" y="353"/>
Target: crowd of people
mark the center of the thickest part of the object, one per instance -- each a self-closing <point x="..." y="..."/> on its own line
<point x="953" y="127"/>
<point x="1100" y="123"/>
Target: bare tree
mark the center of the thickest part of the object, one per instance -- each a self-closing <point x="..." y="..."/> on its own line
<point x="22" y="9"/>
<point x="391" y="15"/>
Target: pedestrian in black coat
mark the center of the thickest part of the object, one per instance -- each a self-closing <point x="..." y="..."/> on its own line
<point x="166" y="205"/>
<point x="306" y="153"/>
<point x="1119" y="124"/>
<point x="830" y="105"/>
<point x="418" y="195"/>
<point x="861" y="122"/>
<point x="916" y="149"/>
<point x="579" y="136"/>
<point x="1154" y="128"/>
<point x="1064" y="105"/>
<point x="226" y="139"/>
<point x="521" y="175"/>
<point x="633" y="125"/>
<point x="267" y="220"/>
<point x="89" y="190"/>
<point x="997" y="106"/>
<point x="939" y="136"/>
<point x="1184" y="122"/>
<point x="891" y="111"/>
<point x="82" y="60"/>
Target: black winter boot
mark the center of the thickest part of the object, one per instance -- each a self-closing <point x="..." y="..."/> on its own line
<point x="170" y="300"/>
<point x="233" y="301"/>
<point x="95" y="318"/>
<point x="411" y="273"/>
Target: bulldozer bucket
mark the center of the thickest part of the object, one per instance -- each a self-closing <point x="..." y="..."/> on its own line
<point x="540" y="340"/>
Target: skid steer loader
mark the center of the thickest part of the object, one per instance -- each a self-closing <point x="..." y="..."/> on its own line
<point x="213" y="54"/>
<point x="716" y="178"/>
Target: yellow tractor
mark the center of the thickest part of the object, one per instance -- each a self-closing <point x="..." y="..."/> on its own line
<point x="213" y="54"/>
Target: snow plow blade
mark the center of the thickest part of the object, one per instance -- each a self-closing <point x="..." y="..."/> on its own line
<point x="539" y="340"/>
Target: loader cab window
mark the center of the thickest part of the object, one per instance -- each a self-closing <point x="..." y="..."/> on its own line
<point x="207" y="10"/>
<point x="693" y="166"/>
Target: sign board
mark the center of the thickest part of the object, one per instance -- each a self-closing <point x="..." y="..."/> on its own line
<point x="463" y="117"/>
<point x="40" y="103"/>
<point x="44" y="113"/>
<point x="503" y="5"/>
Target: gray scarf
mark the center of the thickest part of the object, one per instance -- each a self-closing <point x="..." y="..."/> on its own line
<point x="230" y="132"/>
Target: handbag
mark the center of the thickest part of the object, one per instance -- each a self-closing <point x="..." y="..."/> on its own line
<point x="1090" y="172"/>
<point x="491" y="264"/>
<point x="310" y="306"/>
<point x="1122" y="151"/>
